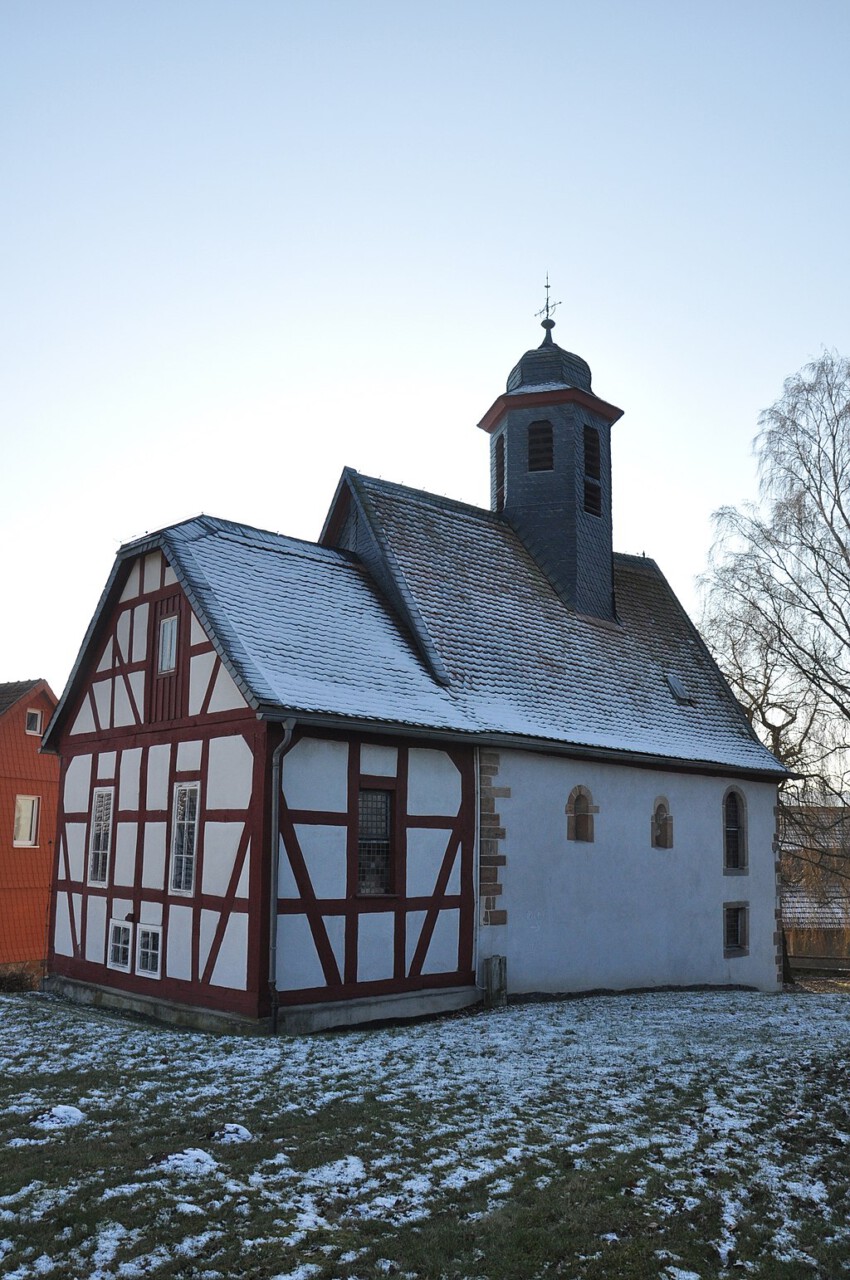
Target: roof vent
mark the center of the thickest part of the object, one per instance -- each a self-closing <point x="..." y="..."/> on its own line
<point x="679" y="691"/>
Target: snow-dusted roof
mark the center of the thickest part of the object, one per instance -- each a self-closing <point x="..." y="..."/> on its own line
<point x="803" y="909"/>
<point x="446" y="623"/>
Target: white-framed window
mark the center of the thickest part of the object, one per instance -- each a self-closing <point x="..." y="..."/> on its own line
<point x="100" y="838"/>
<point x="149" y="950"/>
<point x="26" y="820"/>
<point x="120" y="945"/>
<point x="184" y="836"/>
<point x="166" y="659"/>
<point x="34" y="721"/>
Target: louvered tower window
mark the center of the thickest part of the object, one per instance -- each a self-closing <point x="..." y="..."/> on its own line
<point x="592" y="472"/>
<point x="500" y="473"/>
<point x="540" y="448"/>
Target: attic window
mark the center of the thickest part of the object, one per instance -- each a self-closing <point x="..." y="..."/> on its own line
<point x="592" y="472"/>
<point x="540" y="448"/>
<point x="499" y="494"/>
<point x="34" y="722"/>
<point x="679" y="691"/>
<point x="167" y="652"/>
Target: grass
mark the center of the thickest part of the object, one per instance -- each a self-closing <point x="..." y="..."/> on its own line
<point x="634" y="1136"/>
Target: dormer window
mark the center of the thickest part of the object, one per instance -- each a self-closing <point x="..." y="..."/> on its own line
<point x="592" y="472"/>
<point x="541" y="455"/>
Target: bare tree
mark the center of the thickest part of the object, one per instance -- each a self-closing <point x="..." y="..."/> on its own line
<point x="777" y="603"/>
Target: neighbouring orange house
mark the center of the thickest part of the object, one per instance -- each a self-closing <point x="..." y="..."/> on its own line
<point x="29" y="787"/>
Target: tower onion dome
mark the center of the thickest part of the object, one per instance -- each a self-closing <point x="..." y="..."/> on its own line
<point x="549" y="366"/>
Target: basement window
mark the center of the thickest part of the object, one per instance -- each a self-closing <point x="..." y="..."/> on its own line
<point x="374" y="843"/>
<point x="736" y="928"/>
<point x="120" y="945"/>
<point x="149" y="951"/>
<point x="541" y="456"/>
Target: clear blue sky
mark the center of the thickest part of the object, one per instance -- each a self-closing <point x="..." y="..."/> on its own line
<point x="246" y="243"/>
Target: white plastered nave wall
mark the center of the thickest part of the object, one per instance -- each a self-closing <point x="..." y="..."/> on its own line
<point x="616" y="912"/>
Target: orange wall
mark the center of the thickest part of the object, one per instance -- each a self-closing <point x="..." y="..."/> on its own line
<point x="25" y="872"/>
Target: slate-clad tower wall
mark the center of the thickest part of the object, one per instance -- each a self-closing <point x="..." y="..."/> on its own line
<point x="550" y="472"/>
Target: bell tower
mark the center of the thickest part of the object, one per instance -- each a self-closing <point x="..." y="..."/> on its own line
<point x="550" y="471"/>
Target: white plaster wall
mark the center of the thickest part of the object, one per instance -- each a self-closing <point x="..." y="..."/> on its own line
<point x="95" y="944"/>
<point x="442" y="951"/>
<point x="62" y="931"/>
<point x="188" y="756"/>
<point x="75" y="843"/>
<point x="122" y="634"/>
<point x="200" y="670"/>
<point x="77" y="782"/>
<point x="382" y="761"/>
<point x="616" y="912"/>
<point x="221" y="841"/>
<point x="150" y="913"/>
<point x="324" y="850"/>
<point x="179" y="956"/>
<point x="106" y="766"/>
<point x="105" y="663"/>
<point x="225" y="694"/>
<point x="84" y="721"/>
<point x="298" y="964"/>
<point x="131" y="761"/>
<point x="315" y="775"/>
<point x="231" y="967"/>
<point x="157" y="789"/>
<point x="198" y="635"/>
<point x="152" y="572"/>
<point x="140" y="632"/>
<point x="102" y="693"/>
<point x="124" y="714"/>
<point x="230" y="773"/>
<point x="153" y="856"/>
<point x="131" y="587"/>
<point x="433" y="784"/>
<point x="124" y="870"/>
<point x="375" y="946"/>
<point x="426" y="849"/>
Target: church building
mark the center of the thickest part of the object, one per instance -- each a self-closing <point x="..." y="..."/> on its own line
<point x="308" y="785"/>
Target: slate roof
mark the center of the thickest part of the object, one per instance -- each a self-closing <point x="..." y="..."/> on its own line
<point x="305" y="629"/>
<point x="802" y="909"/>
<point x="13" y="691"/>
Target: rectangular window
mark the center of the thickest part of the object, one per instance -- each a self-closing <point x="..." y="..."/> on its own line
<point x="735" y="929"/>
<point x="34" y="722"/>
<point x="26" y="820"/>
<point x="374" y="845"/>
<point x="100" y="839"/>
<point x="184" y="837"/>
<point x="120" y="941"/>
<point x="541" y="455"/>
<point x="167" y="650"/>
<point x="149" y="951"/>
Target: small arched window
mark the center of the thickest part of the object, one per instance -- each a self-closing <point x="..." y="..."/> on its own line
<point x="580" y="810"/>
<point x="734" y="832"/>
<point x="662" y="825"/>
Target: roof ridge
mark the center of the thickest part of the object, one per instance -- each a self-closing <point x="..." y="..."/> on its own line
<point x="432" y="499"/>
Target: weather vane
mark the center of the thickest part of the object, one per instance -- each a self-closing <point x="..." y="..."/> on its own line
<point x="550" y="306"/>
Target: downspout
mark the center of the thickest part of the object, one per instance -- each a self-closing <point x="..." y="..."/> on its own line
<point x="282" y="747"/>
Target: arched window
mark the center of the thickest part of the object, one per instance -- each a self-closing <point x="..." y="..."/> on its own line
<point x="662" y="825"/>
<point x="580" y="810"/>
<point x="734" y="832"/>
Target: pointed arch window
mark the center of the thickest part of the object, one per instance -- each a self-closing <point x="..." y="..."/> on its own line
<point x="580" y="812"/>
<point x="592" y="472"/>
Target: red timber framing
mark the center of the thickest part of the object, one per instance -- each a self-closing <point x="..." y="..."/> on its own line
<point x="214" y="937"/>
<point x="336" y="923"/>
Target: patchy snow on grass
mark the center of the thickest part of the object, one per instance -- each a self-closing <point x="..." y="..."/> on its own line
<point x="734" y="1104"/>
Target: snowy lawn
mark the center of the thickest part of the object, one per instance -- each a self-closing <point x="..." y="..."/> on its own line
<point x="671" y="1136"/>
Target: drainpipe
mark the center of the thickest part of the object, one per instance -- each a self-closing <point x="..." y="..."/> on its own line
<point x="279" y="751"/>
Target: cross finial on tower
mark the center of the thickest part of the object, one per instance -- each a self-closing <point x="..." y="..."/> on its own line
<point x="548" y="323"/>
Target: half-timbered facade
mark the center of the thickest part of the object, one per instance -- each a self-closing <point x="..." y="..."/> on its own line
<point x="317" y="784"/>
